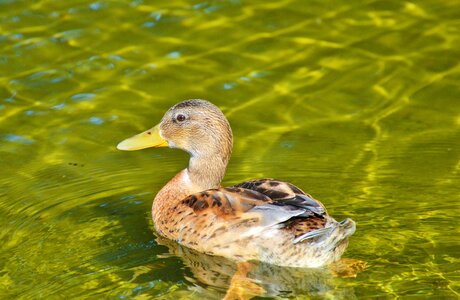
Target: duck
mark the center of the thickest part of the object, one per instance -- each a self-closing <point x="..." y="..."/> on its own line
<point x="265" y="220"/>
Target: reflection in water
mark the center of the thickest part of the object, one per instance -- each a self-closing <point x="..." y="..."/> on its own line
<point x="250" y="279"/>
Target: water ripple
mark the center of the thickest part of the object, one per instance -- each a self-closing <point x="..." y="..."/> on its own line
<point x="357" y="103"/>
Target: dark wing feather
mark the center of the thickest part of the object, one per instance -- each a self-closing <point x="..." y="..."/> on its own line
<point x="310" y="224"/>
<point x="284" y="193"/>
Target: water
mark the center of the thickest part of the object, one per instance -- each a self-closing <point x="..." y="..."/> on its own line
<point x="355" y="102"/>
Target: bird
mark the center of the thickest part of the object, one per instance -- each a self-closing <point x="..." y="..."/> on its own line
<point x="266" y="220"/>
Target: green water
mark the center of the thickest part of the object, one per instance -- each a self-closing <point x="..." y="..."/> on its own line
<point x="356" y="102"/>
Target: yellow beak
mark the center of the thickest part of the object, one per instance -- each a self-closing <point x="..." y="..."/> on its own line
<point x="146" y="139"/>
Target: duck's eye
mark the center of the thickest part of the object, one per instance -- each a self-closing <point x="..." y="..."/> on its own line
<point x="180" y="118"/>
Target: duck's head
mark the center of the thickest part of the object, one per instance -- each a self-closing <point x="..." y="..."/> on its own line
<point x="196" y="126"/>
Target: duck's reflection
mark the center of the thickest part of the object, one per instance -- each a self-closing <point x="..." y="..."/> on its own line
<point x="249" y="279"/>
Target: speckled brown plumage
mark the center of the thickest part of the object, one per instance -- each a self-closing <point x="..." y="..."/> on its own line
<point x="264" y="219"/>
<point x="300" y="226"/>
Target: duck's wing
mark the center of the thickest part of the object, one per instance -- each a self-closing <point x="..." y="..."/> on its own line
<point x="284" y="193"/>
<point x="313" y="222"/>
<point x="261" y="204"/>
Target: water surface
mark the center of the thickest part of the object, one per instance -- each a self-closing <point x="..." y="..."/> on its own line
<point x="357" y="102"/>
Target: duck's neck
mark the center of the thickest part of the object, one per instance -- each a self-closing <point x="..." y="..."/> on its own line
<point x="207" y="172"/>
<point x="202" y="173"/>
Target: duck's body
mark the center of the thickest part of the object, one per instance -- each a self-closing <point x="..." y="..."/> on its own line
<point x="244" y="223"/>
<point x="266" y="220"/>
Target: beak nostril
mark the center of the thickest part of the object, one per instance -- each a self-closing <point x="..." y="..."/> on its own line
<point x="149" y="133"/>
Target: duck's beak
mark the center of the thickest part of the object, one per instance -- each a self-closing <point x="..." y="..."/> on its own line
<point x="146" y="139"/>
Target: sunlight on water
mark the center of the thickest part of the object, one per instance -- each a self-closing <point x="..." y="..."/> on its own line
<point x="357" y="103"/>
